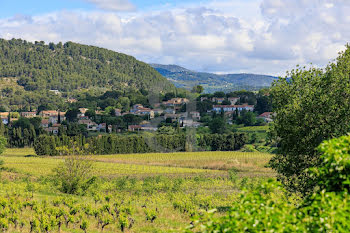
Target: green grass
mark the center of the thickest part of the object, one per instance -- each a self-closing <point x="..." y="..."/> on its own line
<point x="141" y="165"/>
<point x="44" y="166"/>
<point x="247" y="163"/>
<point x="252" y="129"/>
<point x="18" y="152"/>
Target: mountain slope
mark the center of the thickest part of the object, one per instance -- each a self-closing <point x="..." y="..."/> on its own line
<point x="70" y="66"/>
<point x="185" y="78"/>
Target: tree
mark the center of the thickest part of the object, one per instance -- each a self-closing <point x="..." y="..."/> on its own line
<point x="247" y="118"/>
<point x="75" y="129"/>
<point x="72" y="115"/>
<point x="74" y="175"/>
<point x="3" y="143"/>
<point x="166" y="130"/>
<point x="263" y="104"/>
<point x="311" y="106"/>
<point x="226" y="102"/>
<point x="219" y="94"/>
<point x="198" y="89"/>
<point x="91" y="114"/>
<point x="125" y="103"/>
<point x="2" y="108"/>
<point x="218" y="125"/>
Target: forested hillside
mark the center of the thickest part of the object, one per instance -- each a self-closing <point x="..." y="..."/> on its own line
<point x="29" y="70"/>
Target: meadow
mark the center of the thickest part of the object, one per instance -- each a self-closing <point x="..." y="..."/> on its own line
<point x="131" y="193"/>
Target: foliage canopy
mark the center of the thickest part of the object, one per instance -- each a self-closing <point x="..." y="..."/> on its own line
<point x="311" y="106"/>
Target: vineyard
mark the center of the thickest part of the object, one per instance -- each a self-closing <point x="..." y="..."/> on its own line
<point x="174" y="192"/>
<point x="129" y="193"/>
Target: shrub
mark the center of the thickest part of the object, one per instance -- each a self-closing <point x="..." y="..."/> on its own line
<point x="334" y="173"/>
<point x="74" y="175"/>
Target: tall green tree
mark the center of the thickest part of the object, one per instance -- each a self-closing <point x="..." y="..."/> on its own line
<point x="198" y="89"/>
<point x="3" y="143"/>
<point x="311" y="106"/>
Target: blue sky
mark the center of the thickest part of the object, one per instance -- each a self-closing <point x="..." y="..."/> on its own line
<point x="222" y="36"/>
<point x="33" y="7"/>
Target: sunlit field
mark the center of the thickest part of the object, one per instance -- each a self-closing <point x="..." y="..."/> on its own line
<point x="173" y="164"/>
<point x="157" y="192"/>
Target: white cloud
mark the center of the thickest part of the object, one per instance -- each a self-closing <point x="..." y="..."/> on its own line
<point x="274" y="35"/>
<point x="113" y="5"/>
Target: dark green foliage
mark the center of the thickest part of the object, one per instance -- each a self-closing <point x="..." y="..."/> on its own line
<point x="197" y="89"/>
<point x="72" y="115"/>
<point x="247" y="118"/>
<point x="311" y="106"/>
<point x="23" y="132"/>
<point x="263" y="104"/>
<point x="222" y="142"/>
<point x="125" y="144"/>
<point x="3" y="143"/>
<point x="218" y="125"/>
<point x="39" y="68"/>
<point x="45" y="145"/>
<point x="333" y="174"/>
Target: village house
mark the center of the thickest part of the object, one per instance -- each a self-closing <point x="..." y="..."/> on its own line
<point x="71" y="100"/>
<point x="4" y="120"/>
<point x="233" y="100"/>
<point x="28" y="114"/>
<point x="266" y="116"/>
<point x="4" y="114"/>
<point x="176" y="117"/>
<point x="145" y="112"/>
<point x="175" y="102"/>
<point x="195" y="115"/>
<point x="45" y="123"/>
<point x="232" y="108"/>
<point x="83" y="118"/>
<point x="133" y="128"/>
<point x="54" y="119"/>
<point x="149" y="128"/>
<point x="136" y="107"/>
<point x="169" y="111"/>
<point x="82" y="112"/>
<point x="52" y="130"/>
<point x="90" y="125"/>
<point x="189" y="123"/>
<point x="158" y="111"/>
<point x="217" y="100"/>
<point x="118" y="112"/>
<point x="56" y="92"/>
<point x="203" y="98"/>
<point x="102" y="127"/>
<point x="48" y="113"/>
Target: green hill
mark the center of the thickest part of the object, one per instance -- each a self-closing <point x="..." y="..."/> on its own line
<point x="185" y="78"/>
<point x="29" y="70"/>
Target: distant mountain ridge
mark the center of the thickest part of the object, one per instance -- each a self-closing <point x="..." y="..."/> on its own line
<point x="186" y="78"/>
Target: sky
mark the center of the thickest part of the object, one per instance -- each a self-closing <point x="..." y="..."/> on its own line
<point x="221" y="36"/>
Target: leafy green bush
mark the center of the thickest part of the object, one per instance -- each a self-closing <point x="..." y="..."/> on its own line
<point x="249" y="148"/>
<point x="74" y="175"/>
<point x="334" y="173"/>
